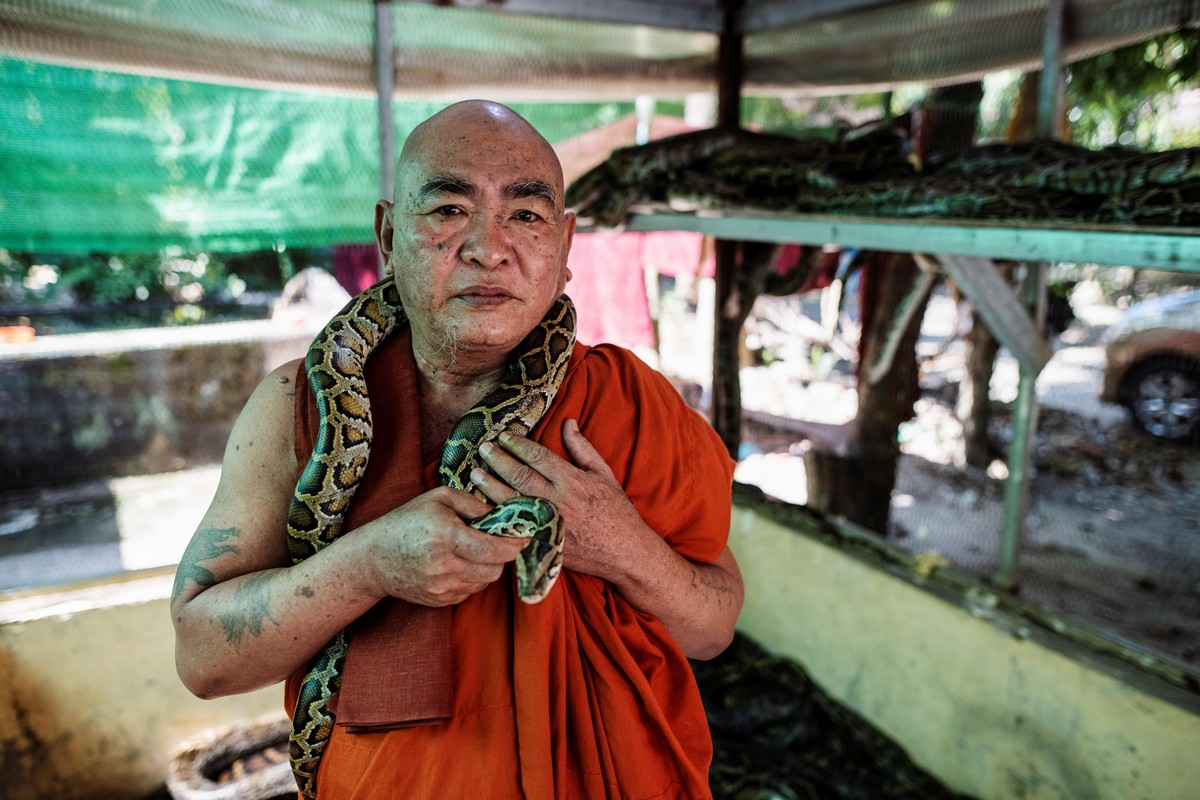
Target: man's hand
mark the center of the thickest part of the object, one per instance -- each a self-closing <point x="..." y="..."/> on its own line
<point x="606" y="537"/>
<point x="426" y="553"/>
<point x="601" y="522"/>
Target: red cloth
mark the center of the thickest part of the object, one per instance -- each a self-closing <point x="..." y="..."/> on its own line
<point x="608" y="281"/>
<point x="415" y="680"/>
<point x="581" y="695"/>
<point x="609" y="289"/>
<point x="675" y="253"/>
<point x="356" y="266"/>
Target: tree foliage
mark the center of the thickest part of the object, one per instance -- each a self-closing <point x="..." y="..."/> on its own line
<point x="1127" y="96"/>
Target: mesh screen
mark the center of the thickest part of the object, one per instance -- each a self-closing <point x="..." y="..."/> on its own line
<point x="322" y="45"/>
<point x="121" y="166"/>
<point x="934" y="42"/>
<point x="1114" y="512"/>
<point x="106" y="161"/>
<point x="135" y="199"/>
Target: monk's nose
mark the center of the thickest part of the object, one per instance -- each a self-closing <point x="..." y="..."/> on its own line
<point x="487" y="242"/>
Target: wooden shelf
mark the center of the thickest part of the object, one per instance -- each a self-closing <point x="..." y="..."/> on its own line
<point x="1176" y="249"/>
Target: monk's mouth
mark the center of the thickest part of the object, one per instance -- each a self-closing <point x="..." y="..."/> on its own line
<point x="483" y="298"/>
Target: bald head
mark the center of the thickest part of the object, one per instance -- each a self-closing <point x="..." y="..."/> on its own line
<point x="466" y="127"/>
<point x="477" y="237"/>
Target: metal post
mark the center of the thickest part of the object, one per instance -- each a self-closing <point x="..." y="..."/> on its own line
<point x="385" y="86"/>
<point x="729" y="66"/>
<point x="726" y="409"/>
<point x="1050" y="87"/>
<point x="1025" y="408"/>
<point x="1020" y="454"/>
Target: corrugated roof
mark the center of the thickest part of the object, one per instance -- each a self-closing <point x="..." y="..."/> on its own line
<point x="572" y="49"/>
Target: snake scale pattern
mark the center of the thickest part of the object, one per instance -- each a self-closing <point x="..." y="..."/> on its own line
<point x="335" y="365"/>
<point x="871" y="172"/>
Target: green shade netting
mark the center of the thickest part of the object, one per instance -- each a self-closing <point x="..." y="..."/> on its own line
<point x="102" y="161"/>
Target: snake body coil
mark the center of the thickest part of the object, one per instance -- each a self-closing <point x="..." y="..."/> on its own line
<point x="335" y="365"/>
<point x="870" y="173"/>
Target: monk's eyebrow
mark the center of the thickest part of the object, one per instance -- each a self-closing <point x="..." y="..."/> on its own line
<point x="534" y="188"/>
<point x="445" y="184"/>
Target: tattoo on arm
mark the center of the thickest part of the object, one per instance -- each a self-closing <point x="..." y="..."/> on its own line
<point x="207" y="544"/>
<point x="718" y="586"/>
<point x="250" y="609"/>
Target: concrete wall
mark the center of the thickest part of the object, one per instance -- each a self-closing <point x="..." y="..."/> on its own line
<point x="79" y="407"/>
<point x="993" y="714"/>
<point x="90" y="705"/>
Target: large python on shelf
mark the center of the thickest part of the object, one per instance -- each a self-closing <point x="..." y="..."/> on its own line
<point x="336" y="364"/>
<point x="871" y="172"/>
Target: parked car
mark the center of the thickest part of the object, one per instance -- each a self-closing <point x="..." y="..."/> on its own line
<point x="1153" y="365"/>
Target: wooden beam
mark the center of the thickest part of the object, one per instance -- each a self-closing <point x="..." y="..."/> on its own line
<point x="1001" y="310"/>
<point x="730" y="67"/>
<point x="1158" y="248"/>
<point x="726" y="410"/>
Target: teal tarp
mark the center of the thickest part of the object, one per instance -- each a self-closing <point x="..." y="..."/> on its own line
<point x="101" y="161"/>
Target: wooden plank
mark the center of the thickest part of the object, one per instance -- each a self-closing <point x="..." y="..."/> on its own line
<point x="1000" y="309"/>
<point x="1176" y="249"/>
<point x="914" y="299"/>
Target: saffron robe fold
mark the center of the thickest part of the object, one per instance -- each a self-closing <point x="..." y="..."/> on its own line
<point x="581" y="695"/>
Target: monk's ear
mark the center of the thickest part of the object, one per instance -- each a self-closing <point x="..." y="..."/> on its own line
<point x="384" y="232"/>
<point x="568" y="240"/>
<point x="569" y="220"/>
<point x="569" y="233"/>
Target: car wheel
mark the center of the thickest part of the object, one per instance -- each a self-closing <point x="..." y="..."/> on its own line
<point x="1163" y="396"/>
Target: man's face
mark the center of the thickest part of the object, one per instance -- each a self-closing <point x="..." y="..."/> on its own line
<point x="479" y="237"/>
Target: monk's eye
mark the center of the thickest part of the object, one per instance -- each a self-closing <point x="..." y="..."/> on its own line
<point x="448" y="211"/>
<point x="527" y="216"/>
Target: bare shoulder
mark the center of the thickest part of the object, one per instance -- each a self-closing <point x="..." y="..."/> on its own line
<point x="244" y="529"/>
<point x="260" y="446"/>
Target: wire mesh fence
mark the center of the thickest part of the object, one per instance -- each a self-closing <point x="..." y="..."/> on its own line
<point x="196" y="202"/>
<point x="1111" y="533"/>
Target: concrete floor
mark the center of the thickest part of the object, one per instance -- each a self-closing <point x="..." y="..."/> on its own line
<point x="91" y="530"/>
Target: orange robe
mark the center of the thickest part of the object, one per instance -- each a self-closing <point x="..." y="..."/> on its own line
<point x="579" y="696"/>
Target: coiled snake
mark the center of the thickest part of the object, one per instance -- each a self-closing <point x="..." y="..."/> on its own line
<point x="871" y="174"/>
<point x="335" y="365"/>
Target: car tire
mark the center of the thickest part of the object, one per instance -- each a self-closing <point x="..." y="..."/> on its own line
<point x="1163" y="397"/>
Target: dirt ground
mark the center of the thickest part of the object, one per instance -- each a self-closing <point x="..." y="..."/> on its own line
<point x="1112" y="535"/>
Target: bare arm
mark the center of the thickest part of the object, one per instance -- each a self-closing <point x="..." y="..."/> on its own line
<point x="698" y="603"/>
<point x="245" y="617"/>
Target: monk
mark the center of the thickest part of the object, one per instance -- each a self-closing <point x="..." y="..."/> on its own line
<point x="453" y="687"/>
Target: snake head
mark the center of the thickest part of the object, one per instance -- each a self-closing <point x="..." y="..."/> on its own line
<point x="539" y="563"/>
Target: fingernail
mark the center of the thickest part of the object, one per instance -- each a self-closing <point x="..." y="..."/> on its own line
<point x="478" y="476"/>
<point x="485" y="449"/>
<point x="574" y="425"/>
<point x="505" y="438"/>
